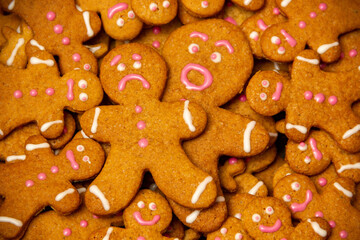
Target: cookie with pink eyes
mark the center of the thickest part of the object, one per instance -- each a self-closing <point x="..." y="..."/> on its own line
<point x="155" y="12"/>
<point x="251" y="5"/>
<point x="203" y="8"/>
<point x="269" y="218"/>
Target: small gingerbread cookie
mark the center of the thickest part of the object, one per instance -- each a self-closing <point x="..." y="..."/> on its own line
<point x="155" y="12"/>
<point x="235" y="14"/>
<point x="251" y="5"/>
<point x="203" y="8"/>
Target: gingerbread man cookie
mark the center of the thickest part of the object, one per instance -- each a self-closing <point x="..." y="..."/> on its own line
<point x="44" y="179"/>
<point x="333" y="204"/>
<point x="307" y="20"/>
<point x="195" y="74"/>
<point x="312" y="98"/>
<point x="155" y="12"/>
<point x="42" y="94"/>
<point x="61" y="29"/>
<point x="144" y="134"/>
<point x="203" y="8"/>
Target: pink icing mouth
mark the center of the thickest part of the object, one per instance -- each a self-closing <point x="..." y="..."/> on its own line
<point x="70" y="156"/>
<point x="274" y="228"/>
<point x="196" y="67"/>
<point x="117" y="8"/>
<point x="129" y="77"/>
<point x="299" y="207"/>
<point x="141" y="221"/>
<point x="70" y="94"/>
<point x="277" y="94"/>
<point x="315" y="150"/>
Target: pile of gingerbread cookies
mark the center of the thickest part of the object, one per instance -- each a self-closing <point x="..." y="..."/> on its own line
<point x="179" y="119"/>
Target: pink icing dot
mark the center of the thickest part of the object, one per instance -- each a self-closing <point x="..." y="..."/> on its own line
<point x="233" y="161"/>
<point x="205" y="3"/>
<point x="313" y="15"/>
<point x="136" y="57"/>
<point x="67" y="232"/>
<point x="54" y="169"/>
<point x="156" y="44"/>
<point x="143" y="142"/>
<point x="342" y="55"/>
<point x="353" y="53"/>
<point x="141" y="238"/>
<point x="302" y="24"/>
<point x="41" y="176"/>
<point x="58" y="29"/>
<point x="332" y="224"/>
<point x="332" y="100"/>
<point x="322" y="181"/>
<point x="322" y="6"/>
<point x="242" y="98"/>
<point x="83" y="223"/>
<point x="156" y="30"/>
<point x="33" y="93"/>
<point x="281" y="50"/>
<point x="29" y="183"/>
<point x="94" y="216"/>
<point x="76" y="57"/>
<point x="343" y="234"/>
<point x="50" y="16"/>
<point x="87" y="66"/>
<point x="302" y="144"/>
<point x="308" y="95"/>
<point x="141" y="125"/>
<point x="276" y="11"/>
<point x="138" y="109"/>
<point x="230" y="20"/>
<point x="49" y="91"/>
<point x="17" y="94"/>
<point x="195" y="49"/>
<point x="319" y="214"/>
<point x="65" y="41"/>
<point x="319" y="98"/>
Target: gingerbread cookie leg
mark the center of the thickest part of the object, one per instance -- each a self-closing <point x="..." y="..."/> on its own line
<point x="51" y="125"/>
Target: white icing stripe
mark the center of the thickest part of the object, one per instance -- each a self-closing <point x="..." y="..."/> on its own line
<point x="89" y="30"/>
<point x="220" y="199"/>
<point x="200" y="189"/>
<point x="348" y="167"/>
<point x="284" y="3"/>
<point x="36" y="44"/>
<point x="1" y="132"/>
<point x="96" y="191"/>
<point x="35" y="60"/>
<point x="30" y="147"/>
<point x="300" y="128"/>
<point x="10" y="61"/>
<point x="83" y="134"/>
<point x="18" y="30"/>
<point x="108" y="233"/>
<point x="93" y="49"/>
<point x="192" y="217"/>
<point x="271" y="134"/>
<point x="78" y="8"/>
<point x="14" y="221"/>
<point x="247" y="2"/>
<point x="95" y="124"/>
<point x="311" y="61"/>
<point x="11" y="5"/>
<point x="343" y="190"/>
<point x="61" y="195"/>
<point x="47" y="125"/>
<point x="351" y="132"/>
<point x="323" y="48"/>
<point x="317" y="228"/>
<point x="247" y="133"/>
<point x="15" y="157"/>
<point x="188" y="117"/>
<point x="81" y="190"/>
<point x="254" y="190"/>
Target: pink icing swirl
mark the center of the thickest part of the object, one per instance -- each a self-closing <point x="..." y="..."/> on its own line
<point x="261" y="24"/>
<point x="277" y="94"/>
<point x="225" y="43"/>
<point x="129" y="77"/>
<point x="200" y="35"/>
<point x="288" y="38"/>
<point x="70" y="94"/>
<point x="196" y="67"/>
<point x="274" y="228"/>
<point x="116" y="8"/>
<point x="141" y="221"/>
<point x="299" y="207"/>
<point x="70" y="156"/>
<point x="317" y="154"/>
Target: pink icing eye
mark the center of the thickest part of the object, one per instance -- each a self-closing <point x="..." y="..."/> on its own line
<point x="152" y="206"/>
<point x="87" y="67"/>
<point x="82" y="84"/>
<point x="86" y="159"/>
<point x="204" y="4"/>
<point x="120" y="22"/>
<point x="121" y="67"/>
<point x="265" y="83"/>
<point x="223" y="231"/>
<point x="238" y="236"/>
<point x="256" y="217"/>
<point x="83" y="97"/>
<point x="263" y="96"/>
<point x="295" y="186"/>
<point x="275" y="40"/>
<point x="141" y="204"/>
<point x="281" y="50"/>
<point x="153" y="7"/>
<point x="193" y="48"/>
<point x="166" y="4"/>
<point x="287" y="198"/>
<point x="131" y="14"/>
<point x="269" y="210"/>
<point x="216" y="57"/>
<point x="80" y="148"/>
<point x="137" y="64"/>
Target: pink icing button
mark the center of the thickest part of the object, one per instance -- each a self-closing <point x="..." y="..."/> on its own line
<point x="65" y="41"/>
<point x="332" y="100"/>
<point x="232" y="161"/>
<point x="49" y="91"/>
<point x="156" y="44"/>
<point x="58" y="29"/>
<point x="313" y="15"/>
<point x="322" y="6"/>
<point x="17" y="94"/>
<point x="353" y="53"/>
<point x="143" y="143"/>
<point x="302" y="24"/>
<point x="33" y="93"/>
<point x="54" y="169"/>
<point x="87" y="67"/>
<point x="136" y="57"/>
<point x="217" y="238"/>
<point x="67" y="232"/>
<point x="141" y="238"/>
<point x="29" y="183"/>
<point x="156" y="30"/>
<point x="138" y="109"/>
<point x="276" y="11"/>
<point x="332" y="224"/>
<point x="50" y="16"/>
<point x="322" y="181"/>
<point x="41" y="176"/>
<point x="83" y="223"/>
<point x="319" y="214"/>
<point x="76" y="57"/>
<point x="230" y="20"/>
<point x="319" y="98"/>
<point x="343" y="234"/>
<point x="141" y="125"/>
<point x="242" y="98"/>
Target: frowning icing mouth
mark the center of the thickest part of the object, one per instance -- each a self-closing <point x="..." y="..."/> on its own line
<point x="141" y="221"/>
<point x="201" y="69"/>
<point x="274" y="228"/>
<point x="299" y="207"/>
<point x="129" y="77"/>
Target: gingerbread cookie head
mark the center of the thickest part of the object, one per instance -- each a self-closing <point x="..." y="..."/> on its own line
<point x="252" y="5"/>
<point x="205" y="48"/>
<point x="155" y="12"/>
<point x="203" y="8"/>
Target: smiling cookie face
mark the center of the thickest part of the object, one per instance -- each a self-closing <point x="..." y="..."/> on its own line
<point x="155" y="12"/>
<point x="148" y="210"/>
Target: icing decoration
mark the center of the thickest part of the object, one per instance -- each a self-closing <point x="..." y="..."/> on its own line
<point x="353" y="53"/>
<point x="288" y="38"/>
<point x="311" y="61"/>
<point x="225" y="43"/>
<point x="220" y="199"/>
<point x="96" y="191"/>
<point x="143" y="142"/>
<point x="70" y="94"/>
<point x="35" y="60"/>
<point x="281" y="50"/>
<point x="129" y="77"/>
<point x="315" y="150"/>
<point x="343" y="234"/>
<point x="254" y="35"/>
<point x="95" y="124"/>
<point x="192" y="216"/>
<point x="13" y="221"/>
<point x="242" y="98"/>
<point x="58" y="29"/>
<point x="11" y="5"/>
<point x="276" y="11"/>
<point x="116" y="8"/>
<point x="188" y="117"/>
<point x="89" y="30"/>
<point x="65" y="41"/>
<point x="200" y="189"/>
<point x="15" y="157"/>
<point x="316" y="227"/>
<point x="351" y="132"/>
<point x="230" y="20"/>
<point x="86" y="159"/>
<point x="193" y="48"/>
<point x="307" y="160"/>
<point x="277" y="94"/>
<point x="323" y="48"/>
<point x="348" y="166"/>
<point x="202" y="70"/>
<point x="82" y="84"/>
<point x="256" y="217"/>
<point x="156" y="44"/>
<point x="31" y="147"/>
<point x="120" y="22"/>
<point x="33" y="92"/>
<point x="313" y="14"/>
<point x="41" y="176"/>
<point x="302" y="146"/>
<point x="237" y="215"/>
<point x="83" y="97"/>
<point x="274" y="228"/>
<point x="67" y="232"/>
<point x="275" y="40"/>
<point x="295" y="186"/>
<point x="166" y="4"/>
<point x="76" y="57"/>
<point x="61" y="195"/>
<point x="29" y="183"/>
<point x="343" y="190"/>
<point x="202" y="36"/>
<point x="322" y="181"/>
<point x="319" y="214"/>
<point x="262" y="25"/>
<point x="256" y="188"/>
<point x="47" y="125"/>
<point x="265" y="83"/>
<point x="17" y="94"/>
<point x="141" y="125"/>
<point x="153" y="7"/>
<point x="287" y="198"/>
<point x="269" y="210"/>
<point x="232" y="161"/>
<point x="54" y="169"/>
<point x="131" y="14"/>
<point x="247" y="2"/>
<point x="141" y="221"/>
<point x="70" y="156"/>
<point x="121" y="67"/>
<point x="284" y="3"/>
<point x="10" y="60"/>
<point x="299" y="207"/>
<point x="156" y="30"/>
<point x="308" y="95"/>
<point x="319" y="98"/>
<point x="152" y="206"/>
<point x="332" y="100"/>
<point x="49" y="91"/>
<point x="302" y="24"/>
<point x="332" y="224"/>
<point x="137" y="65"/>
<point x="247" y="133"/>
<point x="223" y="231"/>
<point x="138" y="109"/>
<point x="300" y="128"/>
<point x="215" y="57"/>
<point x="141" y="204"/>
<point x="50" y="16"/>
<point x="136" y="57"/>
<point x="204" y="4"/>
<point x="83" y="223"/>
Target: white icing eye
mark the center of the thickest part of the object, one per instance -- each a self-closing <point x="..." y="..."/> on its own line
<point x="82" y="84"/>
<point x="256" y="217"/>
<point x="141" y="204"/>
<point x="87" y="67"/>
<point x="275" y="40"/>
<point x="295" y="186"/>
<point x="238" y="215"/>
<point x="263" y="96"/>
<point x="269" y="210"/>
<point x="152" y="206"/>
<point x="80" y="148"/>
<point x="238" y="236"/>
<point x="121" y="67"/>
<point x="120" y="22"/>
<point x="153" y="7"/>
<point x="215" y="57"/>
<point x="83" y="97"/>
<point x="265" y="83"/>
<point x="287" y="198"/>
<point x="193" y="48"/>
<point x="137" y="65"/>
<point x="131" y="14"/>
<point x="166" y="4"/>
<point x="223" y="231"/>
<point x="86" y="159"/>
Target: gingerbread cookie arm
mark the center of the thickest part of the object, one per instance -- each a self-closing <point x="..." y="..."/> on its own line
<point x="39" y="59"/>
<point x="13" y="220"/>
<point x="231" y="168"/>
<point x="347" y="164"/>
<point x="37" y="147"/>
<point x="340" y="189"/>
<point x="51" y="125"/>
<point x="320" y="229"/>
<point x="66" y="200"/>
